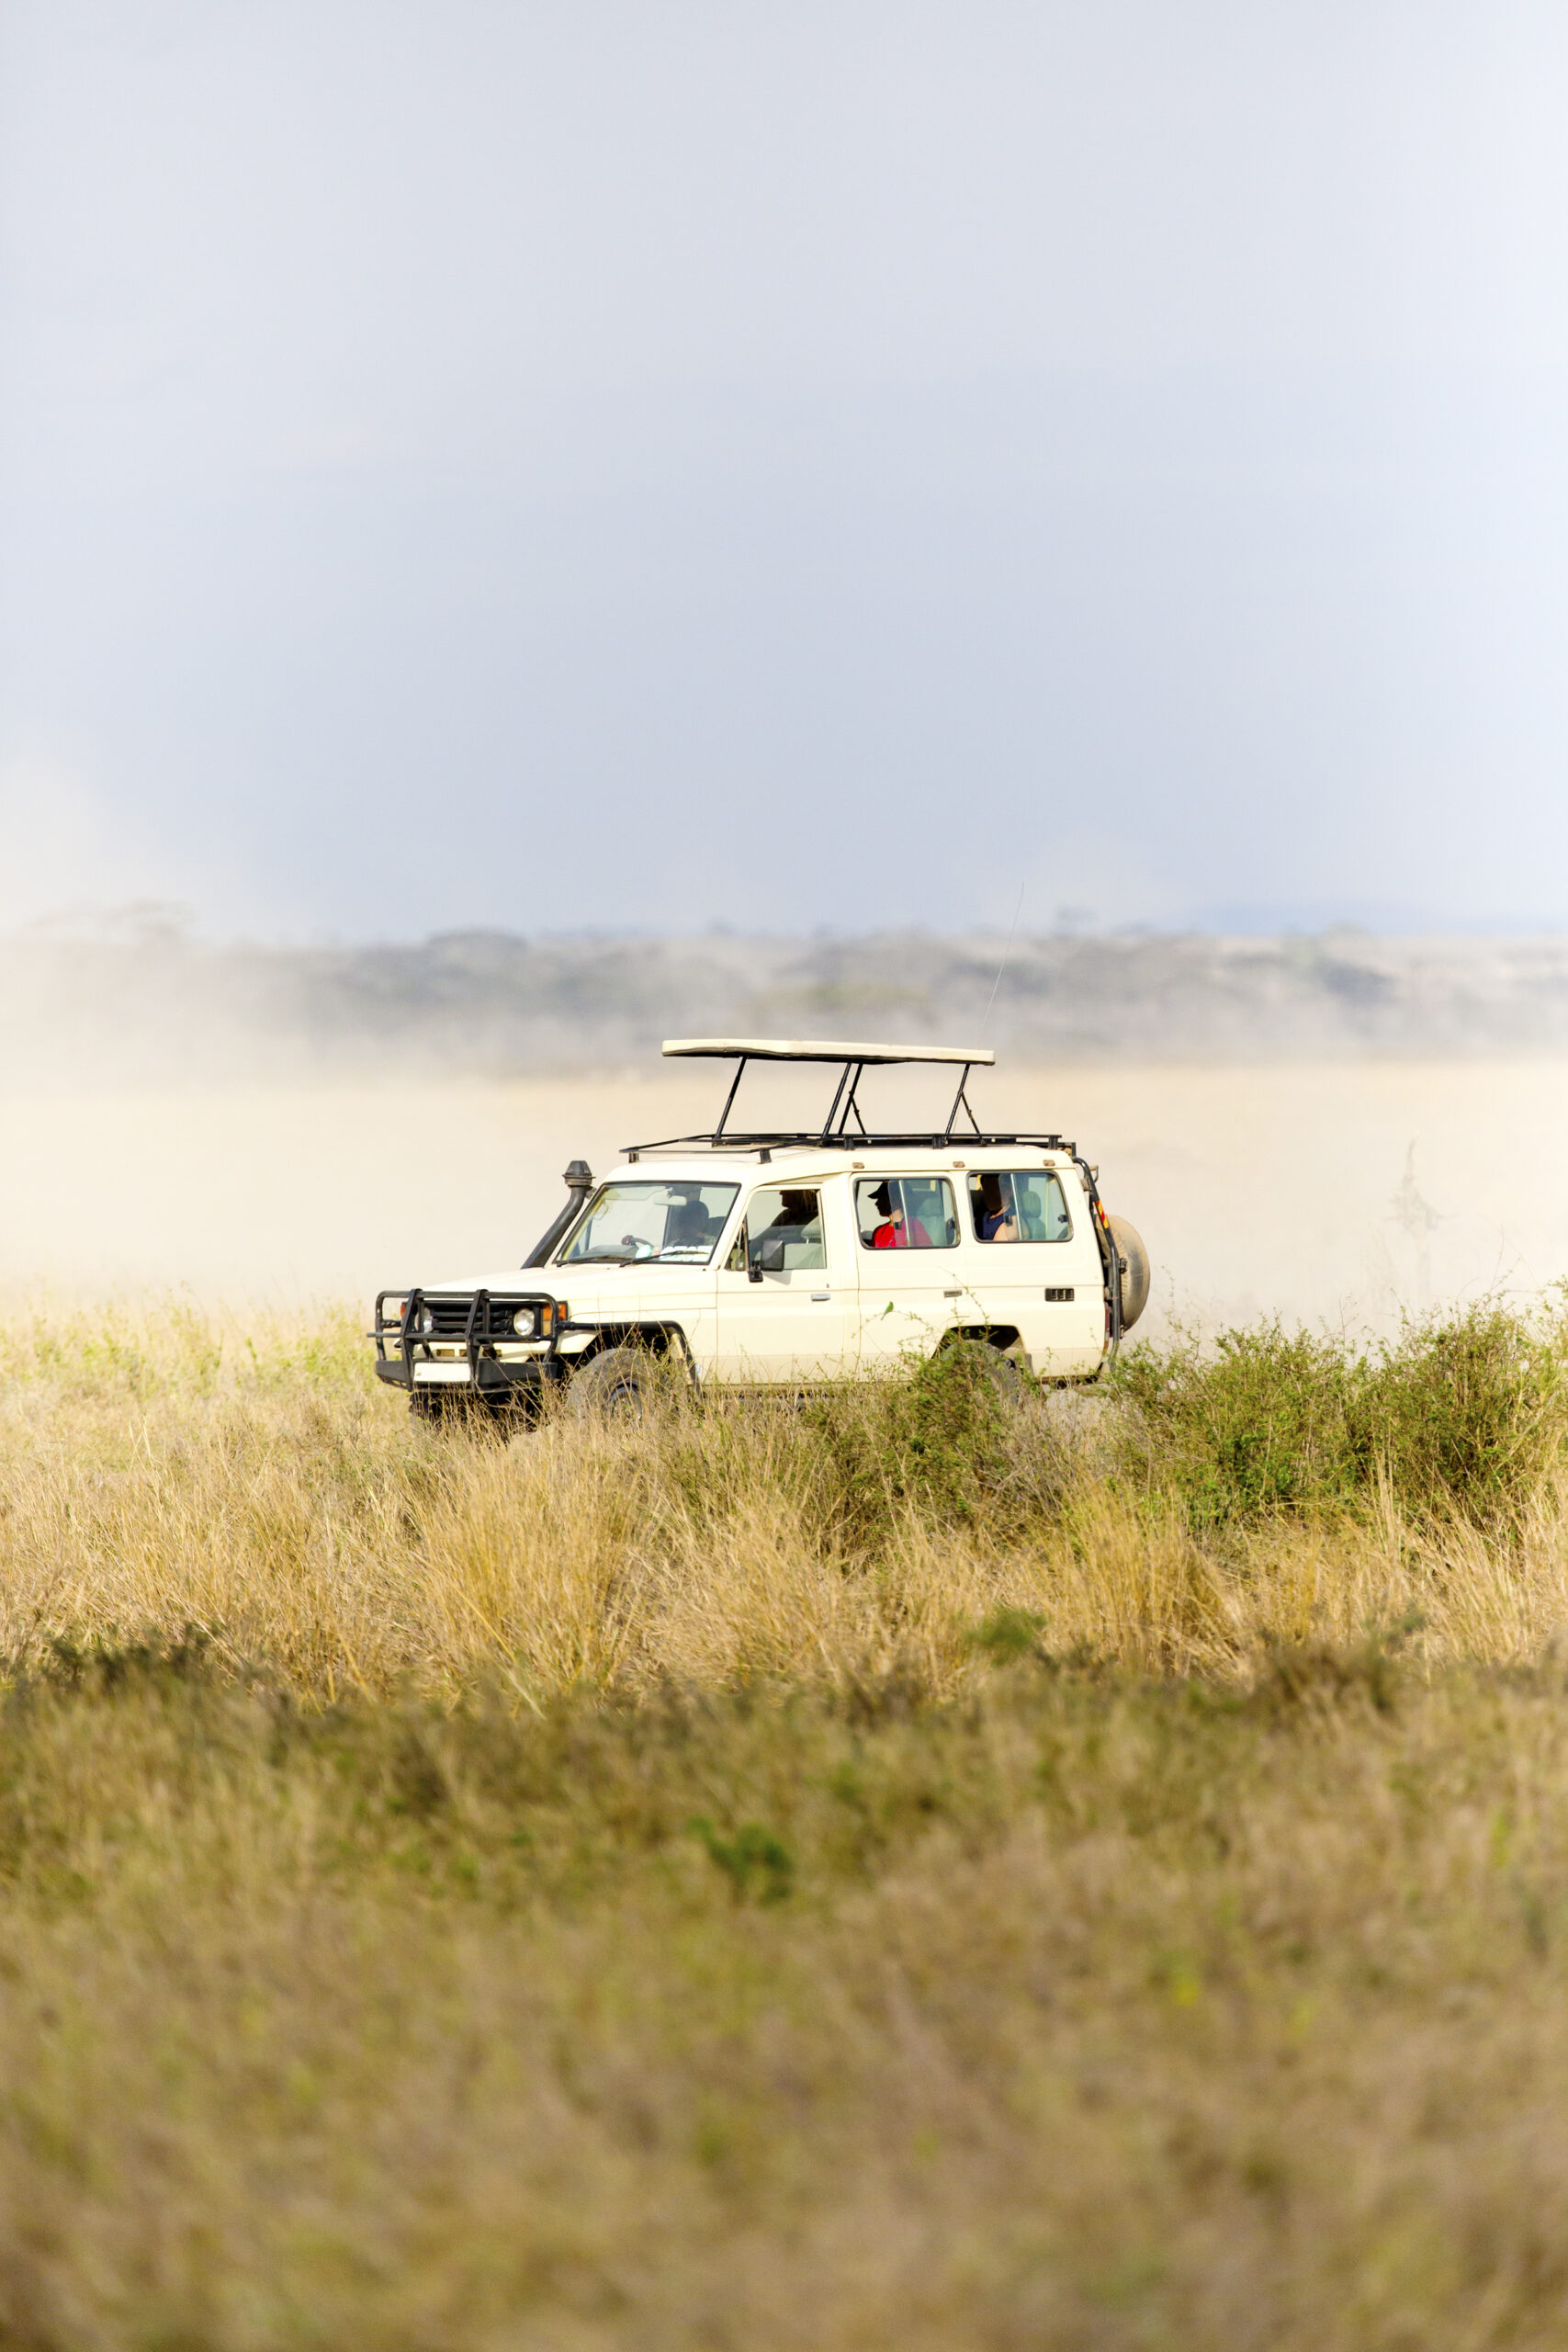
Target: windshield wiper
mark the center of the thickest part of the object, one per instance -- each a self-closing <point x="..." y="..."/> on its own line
<point x="602" y="1257"/>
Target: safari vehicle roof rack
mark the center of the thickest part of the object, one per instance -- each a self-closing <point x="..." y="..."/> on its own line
<point x="853" y="1061"/>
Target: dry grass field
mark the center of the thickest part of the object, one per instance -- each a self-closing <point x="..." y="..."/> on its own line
<point x="874" y="1872"/>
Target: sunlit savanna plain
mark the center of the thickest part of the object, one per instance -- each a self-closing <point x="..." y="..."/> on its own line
<point x="882" y="1869"/>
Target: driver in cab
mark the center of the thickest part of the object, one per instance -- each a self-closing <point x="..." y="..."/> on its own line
<point x="799" y="1217"/>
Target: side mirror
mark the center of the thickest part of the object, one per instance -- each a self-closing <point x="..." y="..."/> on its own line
<point x="767" y="1256"/>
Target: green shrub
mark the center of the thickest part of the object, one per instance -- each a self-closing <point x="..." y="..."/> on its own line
<point x="934" y="1441"/>
<point x="1265" y="1421"/>
<point x="1464" y="1412"/>
<point x="1470" y="1411"/>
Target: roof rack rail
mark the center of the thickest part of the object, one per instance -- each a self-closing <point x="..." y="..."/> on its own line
<point x="862" y="1139"/>
<point x="836" y="1133"/>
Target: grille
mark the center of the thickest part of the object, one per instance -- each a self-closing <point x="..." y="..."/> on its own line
<point x="450" y="1319"/>
<point x="1058" y="1298"/>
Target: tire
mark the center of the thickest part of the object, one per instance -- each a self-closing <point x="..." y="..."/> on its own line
<point x="1003" y="1374"/>
<point x="1129" y="1244"/>
<point x="612" y="1386"/>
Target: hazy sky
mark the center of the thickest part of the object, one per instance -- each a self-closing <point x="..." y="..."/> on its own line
<point x="645" y="462"/>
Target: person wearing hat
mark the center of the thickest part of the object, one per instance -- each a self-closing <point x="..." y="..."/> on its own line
<point x="896" y="1232"/>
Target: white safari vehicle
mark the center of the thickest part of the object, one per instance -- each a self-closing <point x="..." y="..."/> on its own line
<point x="783" y="1260"/>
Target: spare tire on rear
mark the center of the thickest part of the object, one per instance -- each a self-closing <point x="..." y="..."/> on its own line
<point x="1128" y="1243"/>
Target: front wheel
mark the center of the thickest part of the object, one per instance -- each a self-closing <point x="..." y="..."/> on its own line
<point x="611" y="1386"/>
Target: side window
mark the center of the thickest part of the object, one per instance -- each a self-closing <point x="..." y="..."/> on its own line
<point x="1018" y="1205"/>
<point x="783" y="1229"/>
<point x="906" y="1213"/>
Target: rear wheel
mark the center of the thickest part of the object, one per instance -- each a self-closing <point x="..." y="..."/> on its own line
<point x="991" y="1365"/>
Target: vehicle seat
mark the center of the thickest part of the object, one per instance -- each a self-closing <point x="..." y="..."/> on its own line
<point x="802" y="1245"/>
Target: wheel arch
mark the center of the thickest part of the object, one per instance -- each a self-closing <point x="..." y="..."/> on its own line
<point x="655" y="1339"/>
<point x="1001" y="1336"/>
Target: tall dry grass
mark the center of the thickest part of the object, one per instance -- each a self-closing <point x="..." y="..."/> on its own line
<point x="161" y="1471"/>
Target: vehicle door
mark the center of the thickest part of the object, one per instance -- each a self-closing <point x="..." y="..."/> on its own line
<point x="907" y="1252"/>
<point x="788" y="1308"/>
<point x="1033" y="1264"/>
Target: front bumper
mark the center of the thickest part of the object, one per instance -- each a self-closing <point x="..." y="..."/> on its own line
<point x="464" y="1351"/>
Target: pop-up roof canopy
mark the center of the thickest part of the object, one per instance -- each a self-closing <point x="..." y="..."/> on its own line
<point x="844" y="1126"/>
<point x="816" y="1049"/>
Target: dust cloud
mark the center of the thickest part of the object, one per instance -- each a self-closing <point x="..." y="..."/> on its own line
<point x="1331" y="1191"/>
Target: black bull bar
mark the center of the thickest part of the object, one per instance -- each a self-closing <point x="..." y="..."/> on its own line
<point x="399" y="1345"/>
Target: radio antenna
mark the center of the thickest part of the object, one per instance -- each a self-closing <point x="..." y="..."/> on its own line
<point x="1007" y="951"/>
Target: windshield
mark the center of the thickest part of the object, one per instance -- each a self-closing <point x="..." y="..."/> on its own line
<point x="676" y="1222"/>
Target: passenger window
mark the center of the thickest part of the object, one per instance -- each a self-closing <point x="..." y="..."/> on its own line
<point x="1018" y="1205"/>
<point x="906" y="1213"/>
<point x="783" y="1229"/>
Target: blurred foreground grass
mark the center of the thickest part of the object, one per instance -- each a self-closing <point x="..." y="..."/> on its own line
<point x="880" y="1872"/>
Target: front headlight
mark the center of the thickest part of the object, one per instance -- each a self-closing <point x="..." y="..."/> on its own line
<point x="525" y="1322"/>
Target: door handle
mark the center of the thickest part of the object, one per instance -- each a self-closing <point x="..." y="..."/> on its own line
<point x="953" y="1294"/>
<point x="820" y="1295"/>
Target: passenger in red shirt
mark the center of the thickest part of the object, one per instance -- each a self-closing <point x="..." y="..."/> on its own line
<point x="897" y="1233"/>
